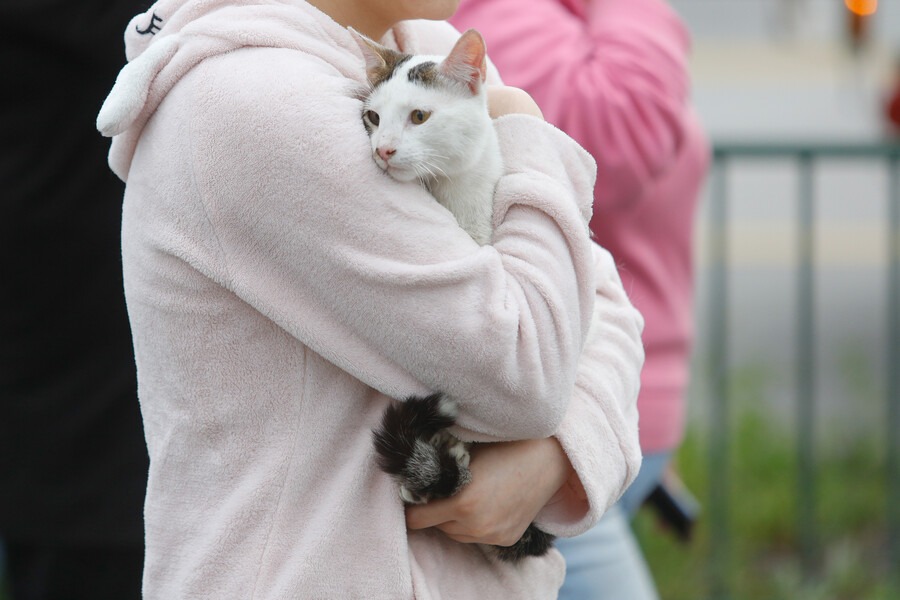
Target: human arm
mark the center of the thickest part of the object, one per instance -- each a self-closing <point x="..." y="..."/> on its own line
<point x="378" y="278"/>
<point x="600" y="431"/>
<point x="565" y="483"/>
<point x="614" y="77"/>
<point x="511" y="483"/>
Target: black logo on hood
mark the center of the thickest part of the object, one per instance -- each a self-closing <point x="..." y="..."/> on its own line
<point x="152" y="28"/>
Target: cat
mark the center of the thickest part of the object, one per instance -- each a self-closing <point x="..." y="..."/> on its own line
<point x="428" y="121"/>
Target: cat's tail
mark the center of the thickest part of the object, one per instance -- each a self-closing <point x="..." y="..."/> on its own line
<point x="534" y="542"/>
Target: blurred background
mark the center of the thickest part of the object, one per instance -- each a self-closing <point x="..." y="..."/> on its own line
<point x="792" y="447"/>
<point x="793" y="444"/>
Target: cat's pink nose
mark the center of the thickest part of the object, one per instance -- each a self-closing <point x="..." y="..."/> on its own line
<point x="386" y="153"/>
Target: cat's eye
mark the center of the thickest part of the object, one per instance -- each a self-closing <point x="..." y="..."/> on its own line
<point x="419" y="116"/>
<point x="372" y="116"/>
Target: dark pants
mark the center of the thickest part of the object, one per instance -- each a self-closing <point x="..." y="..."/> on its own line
<point x="73" y="573"/>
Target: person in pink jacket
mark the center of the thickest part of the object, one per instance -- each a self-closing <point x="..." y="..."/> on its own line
<point x="613" y="74"/>
<point x="282" y="290"/>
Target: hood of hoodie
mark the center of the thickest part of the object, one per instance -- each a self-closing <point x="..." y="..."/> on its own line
<point x="173" y="36"/>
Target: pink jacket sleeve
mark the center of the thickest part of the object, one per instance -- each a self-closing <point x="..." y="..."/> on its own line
<point x="599" y="433"/>
<point x="374" y="275"/>
<point x="613" y="74"/>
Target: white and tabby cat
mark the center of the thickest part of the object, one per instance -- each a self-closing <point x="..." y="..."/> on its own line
<point x="428" y="120"/>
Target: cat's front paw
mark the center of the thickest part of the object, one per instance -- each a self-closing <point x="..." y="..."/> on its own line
<point x="415" y="447"/>
<point x="453" y="446"/>
<point x="460" y="452"/>
<point x="411" y="497"/>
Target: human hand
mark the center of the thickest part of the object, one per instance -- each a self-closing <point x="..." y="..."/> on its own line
<point x="511" y="483"/>
<point x="504" y="100"/>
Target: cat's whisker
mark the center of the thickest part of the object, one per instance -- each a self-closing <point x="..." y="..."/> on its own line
<point x="422" y="172"/>
<point x="431" y="167"/>
<point x="431" y="159"/>
<point x="433" y="154"/>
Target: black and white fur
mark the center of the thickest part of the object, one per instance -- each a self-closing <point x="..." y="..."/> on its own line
<point x="428" y="120"/>
<point x="416" y="448"/>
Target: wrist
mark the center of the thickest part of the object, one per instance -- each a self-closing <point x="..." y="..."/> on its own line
<point x="560" y="471"/>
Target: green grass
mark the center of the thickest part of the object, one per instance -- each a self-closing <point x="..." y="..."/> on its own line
<point x="764" y="561"/>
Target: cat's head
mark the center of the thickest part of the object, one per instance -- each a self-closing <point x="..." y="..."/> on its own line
<point x="426" y="115"/>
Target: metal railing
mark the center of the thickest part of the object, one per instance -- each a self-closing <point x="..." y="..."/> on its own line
<point x="805" y="157"/>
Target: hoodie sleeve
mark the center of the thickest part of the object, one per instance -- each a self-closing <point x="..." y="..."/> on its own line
<point x="376" y="276"/>
<point x="600" y="431"/>
<point x="613" y="74"/>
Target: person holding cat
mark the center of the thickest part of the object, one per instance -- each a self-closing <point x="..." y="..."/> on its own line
<point x="283" y="289"/>
<point x="613" y="74"/>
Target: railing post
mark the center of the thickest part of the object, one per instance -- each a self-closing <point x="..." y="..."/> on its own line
<point x="718" y="459"/>
<point x="805" y="375"/>
<point x="808" y="536"/>
<point x="893" y="375"/>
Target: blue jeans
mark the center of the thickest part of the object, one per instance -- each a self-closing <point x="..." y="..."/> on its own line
<point x="606" y="562"/>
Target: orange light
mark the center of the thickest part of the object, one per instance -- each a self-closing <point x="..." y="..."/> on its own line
<point x="862" y="7"/>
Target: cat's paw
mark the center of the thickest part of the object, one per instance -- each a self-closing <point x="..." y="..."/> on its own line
<point x="448" y="443"/>
<point x="437" y="468"/>
<point x="415" y="447"/>
<point x="459" y="451"/>
<point x="411" y="497"/>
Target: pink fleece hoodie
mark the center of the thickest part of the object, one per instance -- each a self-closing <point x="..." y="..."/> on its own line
<point x="282" y="288"/>
<point x="613" y="74"/>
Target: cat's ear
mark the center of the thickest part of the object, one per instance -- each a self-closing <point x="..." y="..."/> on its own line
<point x="380" y="61"/>
<point x="467" y="62"/>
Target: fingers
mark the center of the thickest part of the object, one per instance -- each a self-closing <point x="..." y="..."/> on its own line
<point x="459" y="525"/>
<point x="503" y="100"/>
<point x="511" y="482"/>
<point x="488" y="535"/>
<point x="436" y="512"/>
